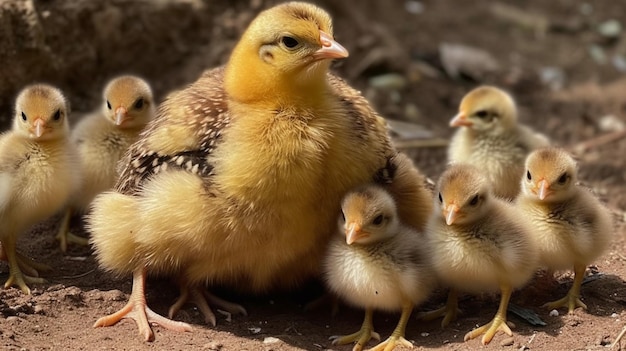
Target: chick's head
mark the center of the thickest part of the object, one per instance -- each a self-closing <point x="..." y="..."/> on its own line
<point x="486" y="109"/>
<point x="128" y="102"/>
<point x="284" y="53"/>
<point x="463" y="194"/>
<point x="369" y="215"/>
<point x="550" y="175"/>
<point x="41" y="113"/>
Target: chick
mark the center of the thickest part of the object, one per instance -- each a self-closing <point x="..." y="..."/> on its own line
<point x="102" y="138"/>
<point x="377" y="262"/>
<point x="478" y="243"/>
<point x="491" y="138"/>
<point x="239" y="178"/>
<point x="37" y="173"/>
<point x="571" y="227"/>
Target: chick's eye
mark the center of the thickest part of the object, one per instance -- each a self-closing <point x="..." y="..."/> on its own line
<point x="139" y="104"/>
<point x="24" y="116"/>
<point x="440" y="198"/>
<point x="528" y="176"/>
<point x="108" y="105"/>
<point x="563" y="178"/>
<point x="378" y="220"/>
<point x="482" y="114"/>
<point x="474" y="201"/>
<point x="57" y="115"/>
<point x="289" y="42"/>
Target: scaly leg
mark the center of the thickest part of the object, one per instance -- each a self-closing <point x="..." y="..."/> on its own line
<point x="199" y="296"/>
<point x="64" y="236"/>
<point x="449" y="312"/>
<point x="27" y="265"/>
<point x="572" y="299"/>
<point x="137" y="309"/>
<point x="16" y="261"/>
<point x="497" y="323"/>
<point x="362" y="336"/>
<point x="397" y="337"/>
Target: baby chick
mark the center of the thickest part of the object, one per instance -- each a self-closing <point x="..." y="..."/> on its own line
<point x="491" y="138"/>
<point x="101" y="140"/>
<point x="37" y="173"/>
<point x="478" y="243"/>
<point x="239" y="178"/>
<point x="377" y="262"/>
<point x="572" y="228"/>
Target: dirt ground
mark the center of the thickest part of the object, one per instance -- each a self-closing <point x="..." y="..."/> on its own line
<point x="563" y="60"/>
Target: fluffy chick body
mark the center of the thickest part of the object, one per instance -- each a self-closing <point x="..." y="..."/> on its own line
<point x="490" y="138"/>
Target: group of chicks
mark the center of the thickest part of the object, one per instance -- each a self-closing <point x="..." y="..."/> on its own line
<point x="240" y="179"/>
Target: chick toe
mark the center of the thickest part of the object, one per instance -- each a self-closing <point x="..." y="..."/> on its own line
<point x="362" y="336"/>
<point x="397" y="336"/>
<point x="498" y="323"/>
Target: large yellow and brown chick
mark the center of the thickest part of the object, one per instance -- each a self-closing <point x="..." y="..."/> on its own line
<point x="239" y="179"/>
<point x="478" y="243"/>
<point x="490" y="137"/>
<point x="571" y="227"/>
<point x="377" y="263"/>
<point x="37" y="173"/>
<point x="102" y="138"/>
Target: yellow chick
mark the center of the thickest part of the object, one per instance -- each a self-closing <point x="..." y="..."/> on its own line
<point x="491" y="139"/>
<point x="239" y="178"/>
<point x="478" y="243"/>
<point x="571" y="227"/>
<point x="377" y="263"/>
<point x="102" y="138"/>
<point x="37" y="173"/>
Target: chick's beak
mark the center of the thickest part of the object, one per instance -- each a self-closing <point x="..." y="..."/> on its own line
<point x="460" y="120"/>
<point x="544" y="189"/>
<point x="40" y="126"/>
<point x="120" y="115"/>
<point x="353" y="233"/>
<point x="450" y="212"/>
<point x="330" y="48"/>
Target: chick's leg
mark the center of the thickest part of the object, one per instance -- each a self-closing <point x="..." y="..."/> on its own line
<point x="28" y="266"/>
<point x="137" y="309"/>
<point x="16" y="263"/>
<point x="397" y="336"/>
<point x="362" y="336"/>
<point x="449" y="312"/>
<point x="572" y="299"/>
<point x="497" y="323"/>
<point x="64" y="236"/>
<point x="199" y="296"/>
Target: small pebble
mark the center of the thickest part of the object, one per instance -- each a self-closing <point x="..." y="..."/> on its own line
<point x="425" y="334"/>
<point x="254" y="330"/>
<point x="213" y="346"/>
<point x="614" y="315"/>
<point x="271" y="340"/>
<point x="507" y="342"/>
<point x="554" y="313"/>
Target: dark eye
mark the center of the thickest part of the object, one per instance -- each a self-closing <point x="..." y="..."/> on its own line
<point x="528" y="176"/>
<point x="24" y="116"/>
<point x="378" y="220"/>
<point x="563" y="178"/>
<point x="482" y="114"/>
<point x="57" y="115"/>
<point x="108" y="105"/>
<point x="474" y="201"/>
<point x="139" y="104"/>
<point x="440" y="198"/>
<point x="289" y="42"/>
<point x="343" y="216"/>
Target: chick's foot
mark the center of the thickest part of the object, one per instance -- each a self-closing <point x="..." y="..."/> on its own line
<point x="572" y="299"/>
<point x="200" y="297"/>
<point x="397" y="337"/>
<point x="64" y="236"/>
<point x="449" y="312"/>
<point x="361" y="337"/>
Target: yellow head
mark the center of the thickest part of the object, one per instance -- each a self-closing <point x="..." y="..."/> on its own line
<point x="486" y="109"/>
<point x="283" y="56"/>
<point x="41" y="113"/>
<point x="463" y="194"/>
<point x="128" y="102"/>
<point x="550" y="175"/>
<point x="368" y="215"/>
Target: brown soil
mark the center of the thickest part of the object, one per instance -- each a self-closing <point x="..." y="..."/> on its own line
<point x="180" y="38"/>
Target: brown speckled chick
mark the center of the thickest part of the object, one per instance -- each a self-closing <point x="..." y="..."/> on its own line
<point x="571" y="227"/>
<point x="490" y="138"/>
<point x="377" y="263"/>
<point x="239" y="178"/>
<point x="102" y="138"/>
<point x="37" y="173"/>
<point x="478" y="243"/>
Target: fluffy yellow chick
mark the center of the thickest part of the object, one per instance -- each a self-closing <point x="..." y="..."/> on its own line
<point x="377" y="263"/>
<point x="102" y="138"/>
<point x="571" y="227"/>
<point x="478" y="243"/>
<point x="490" y="138"/>
<point x="37" y="173"/>
<point x="239" y="178"/>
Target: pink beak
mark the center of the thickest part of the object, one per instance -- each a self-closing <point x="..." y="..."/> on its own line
<point x="120" y="115"/>
<point x="544" y="189"/>
<point x="40" y="125"/>
<point x="450" y="213"/>
<point x="353" y="233"/>
<point x="330" y="48"/>
<point x="460" y="120"/>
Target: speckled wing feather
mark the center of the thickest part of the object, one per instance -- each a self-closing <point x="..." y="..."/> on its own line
<point x="201" y="111"/>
